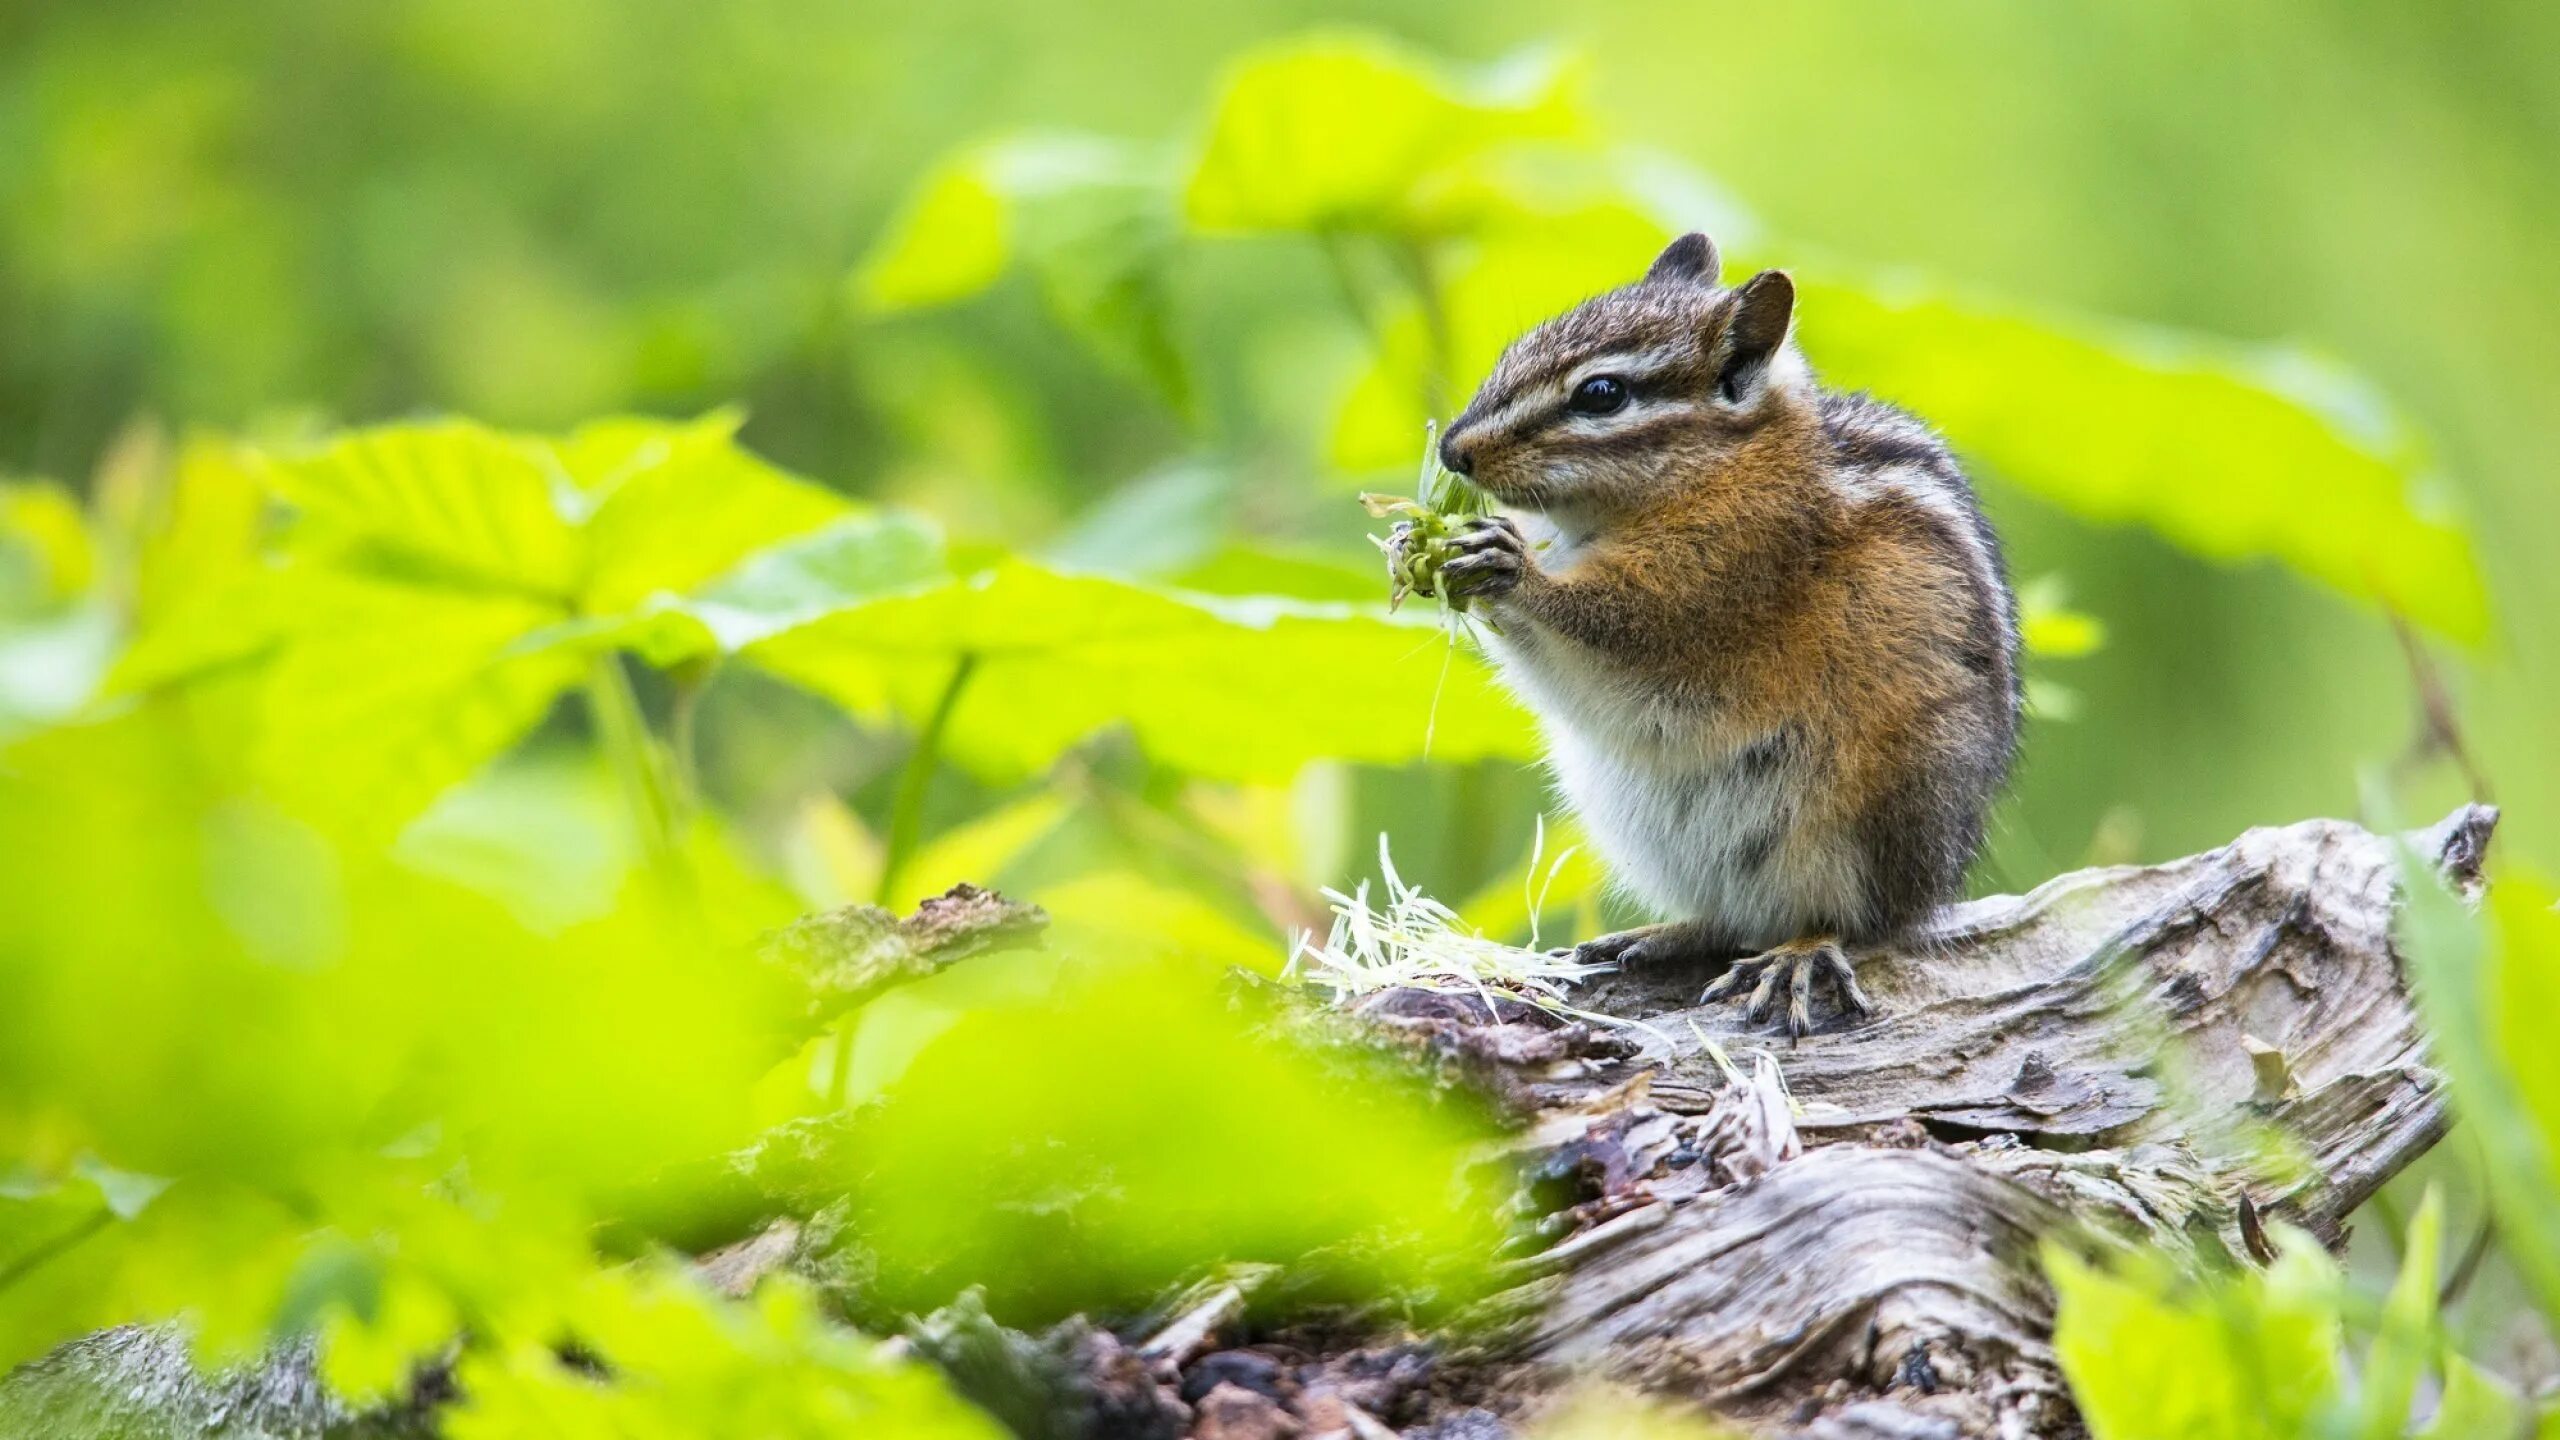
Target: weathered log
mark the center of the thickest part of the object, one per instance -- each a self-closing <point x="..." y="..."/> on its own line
<point x="2096" y="1052"/>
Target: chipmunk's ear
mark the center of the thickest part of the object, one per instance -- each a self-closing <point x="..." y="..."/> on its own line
<point x="1762" y="309"/>
<point x="1691" y="259"/>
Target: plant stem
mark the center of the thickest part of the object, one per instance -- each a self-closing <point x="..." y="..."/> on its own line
<point x="840" y="1062"/>
<point x="36" y="1258"/>
<point x="684" y="763"/>
<point x="906" y="808"/>
<point x="1346" y="281"/>
<point x="1412" y="257"/>
<point x="1423" y="276"/>
<point x="906" y="822"/>
<point x="623" y="733"/>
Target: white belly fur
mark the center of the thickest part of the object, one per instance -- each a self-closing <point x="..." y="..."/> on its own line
<point x="1656" y="785"/>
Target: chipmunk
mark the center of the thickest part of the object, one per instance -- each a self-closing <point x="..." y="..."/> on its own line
<point x="1765" y="626"/>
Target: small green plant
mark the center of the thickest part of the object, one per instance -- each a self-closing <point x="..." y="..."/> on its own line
<point x="1442" y="502"/>
<point x="2154" y="1354"/>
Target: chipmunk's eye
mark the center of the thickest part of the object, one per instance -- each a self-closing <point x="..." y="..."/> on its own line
<point x="1599" y="395"/>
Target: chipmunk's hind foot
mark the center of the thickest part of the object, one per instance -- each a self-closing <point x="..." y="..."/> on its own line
<point x="1791" y="969"/>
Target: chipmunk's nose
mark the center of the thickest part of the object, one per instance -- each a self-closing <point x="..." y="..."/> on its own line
<point x="1458" y="452"/>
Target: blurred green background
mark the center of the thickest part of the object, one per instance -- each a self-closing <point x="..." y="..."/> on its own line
<point x="536" y="213"/>
<point x="270" y="217"/>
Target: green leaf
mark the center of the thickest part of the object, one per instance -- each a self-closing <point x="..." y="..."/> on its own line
<point x="216" y="1252"/>
<point x="2475" y="1403"/>
<point x="2478" y="979"/>
<point x="1155" y="524"/>
<point x="1091" y="218"/>
<point x="449" y="502"/>
<point x="679" y="1362"/>
<point x="1251" y="570"/>
<point x="1218" y="687"/>
<point x="2407" y="1340"/>
<point x="676" y="505"/>
<point x="1187" y="1139"/>
<point x="2231" y="452"/>
<point x="2149" y="1355"/>
<point x="857" y="558"/>
<point x="391" y="694"/>
<point x="1347" y="131"/>
<point x="443" y="584"/>
<point x="47" y="557"/>
<point x="203" y="598"/>
<point x="372" y="1359"/>
<point x="950" y="241"/>
<point x="545" y="837"/>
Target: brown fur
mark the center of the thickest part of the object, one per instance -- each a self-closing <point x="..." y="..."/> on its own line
<point x="1782" y="576"/>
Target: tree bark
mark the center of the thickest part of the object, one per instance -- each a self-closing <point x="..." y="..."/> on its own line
<point x="2171" y="1055"/>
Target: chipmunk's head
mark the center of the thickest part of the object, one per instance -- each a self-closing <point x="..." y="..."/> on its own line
<point x="1630" y="394"/>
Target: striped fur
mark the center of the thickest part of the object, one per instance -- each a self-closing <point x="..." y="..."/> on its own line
<point x="1767" y="630"/>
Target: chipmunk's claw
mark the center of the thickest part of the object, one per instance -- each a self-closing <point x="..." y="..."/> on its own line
<point x="1607" y="949"/>
<point x="1791" y="968"/>
<point x="1486" y="558"/>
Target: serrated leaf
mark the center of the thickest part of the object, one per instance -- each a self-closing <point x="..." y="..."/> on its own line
<point x="1349" y="131"/>
<point x="1217" y="687"/>
<point x="442" y="584"/>
<point x="447" y="501"/>
<point x="393" y="694"/>
<point x="857" y="558"/>
<point x="677" y="505"/>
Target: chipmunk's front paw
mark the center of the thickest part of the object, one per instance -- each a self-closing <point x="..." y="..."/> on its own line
<point x="1791" y="968"/>
<point x="1486" y="559"/>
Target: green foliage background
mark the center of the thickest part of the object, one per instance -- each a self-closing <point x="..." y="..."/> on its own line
<point x="1057" y="347"/>
<point x="538" y="214"/>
